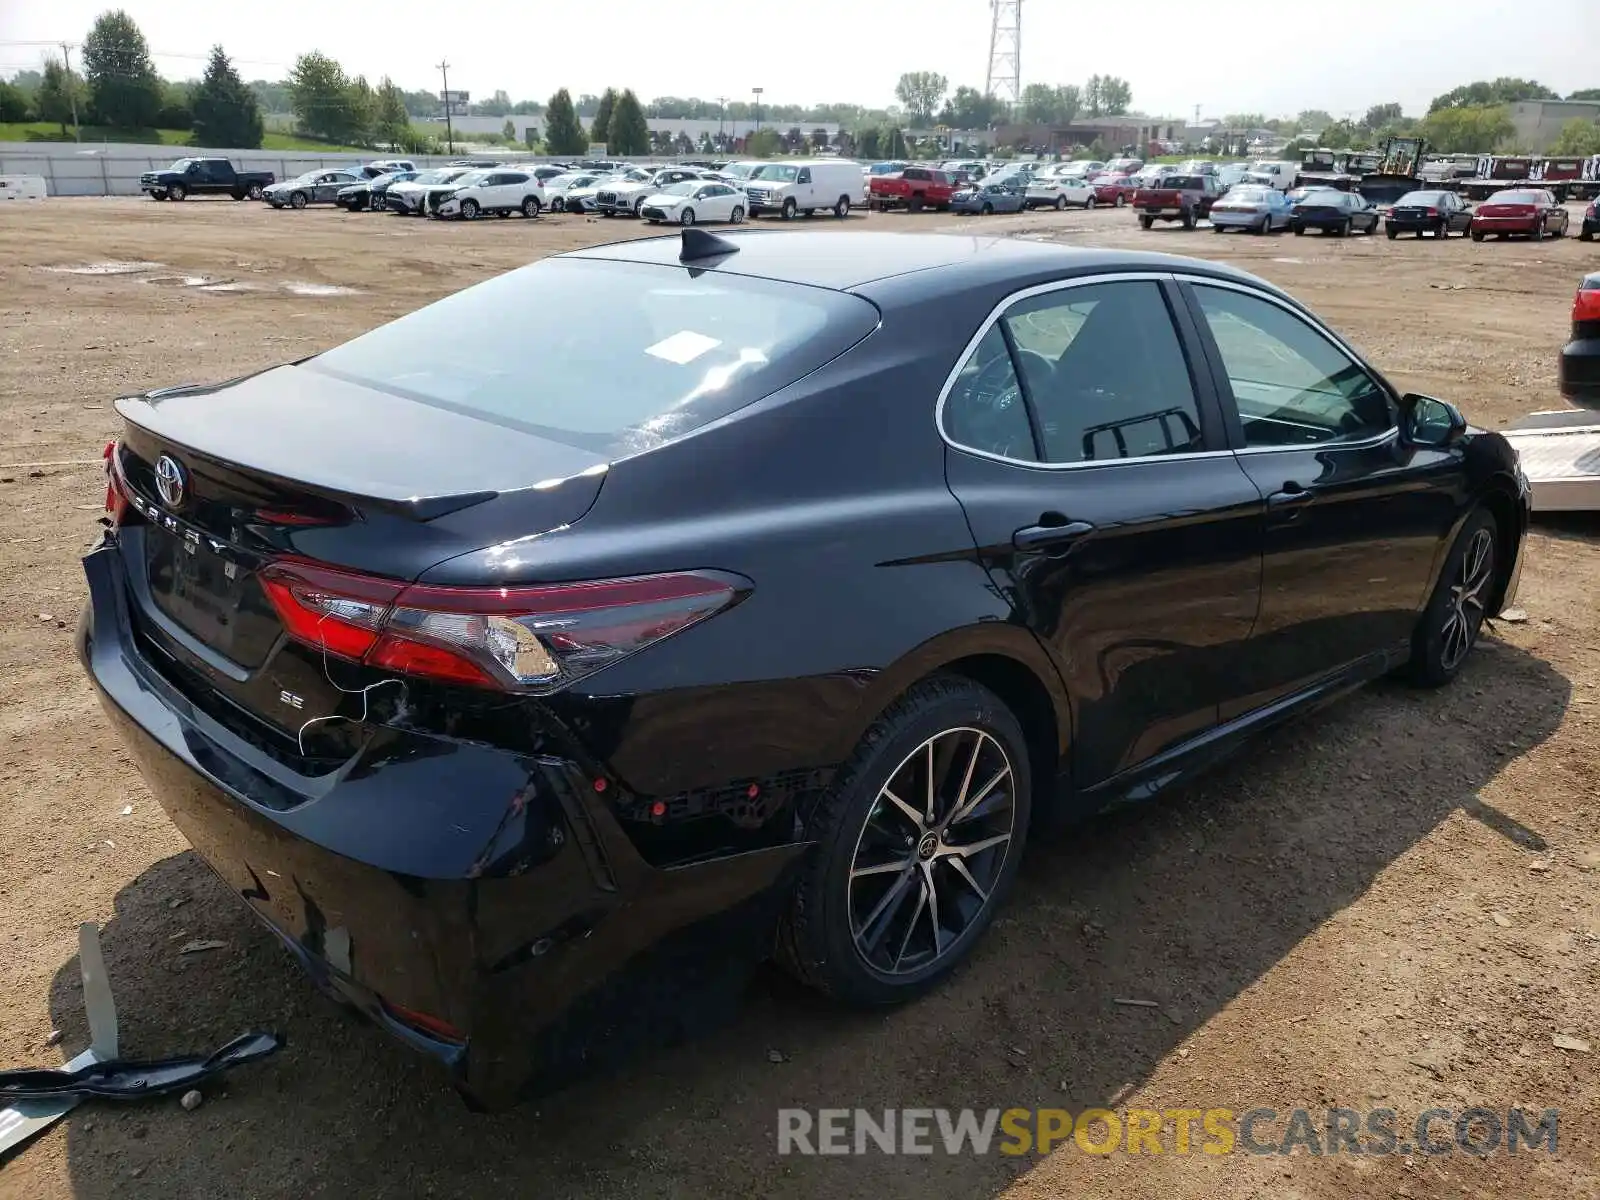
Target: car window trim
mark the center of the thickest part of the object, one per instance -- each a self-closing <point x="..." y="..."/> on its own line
<point x="1208" y="405"/>
<point x="1224" y="387"/>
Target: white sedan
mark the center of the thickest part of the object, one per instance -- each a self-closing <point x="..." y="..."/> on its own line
<point x="556" y="188"/>
<point x="695" y="200"/>
<point x="1058" y="190"/>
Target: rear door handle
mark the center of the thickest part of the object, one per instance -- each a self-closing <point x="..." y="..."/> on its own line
<point x="1050" y="536"/>
<point x="1289" y="495"/>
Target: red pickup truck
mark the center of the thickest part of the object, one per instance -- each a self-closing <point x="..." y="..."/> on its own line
<point x="1186" y="198"/>
<point x="916" y="188"/>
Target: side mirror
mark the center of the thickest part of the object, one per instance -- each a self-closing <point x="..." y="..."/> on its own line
<point x="1425" y="421"/>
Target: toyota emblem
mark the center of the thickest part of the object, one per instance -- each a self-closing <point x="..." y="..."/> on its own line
<point x="170" y="481"/>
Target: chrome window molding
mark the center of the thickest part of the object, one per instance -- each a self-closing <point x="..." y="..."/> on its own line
<point x="1339" y="343"/>
<point x="1000" y="310"/>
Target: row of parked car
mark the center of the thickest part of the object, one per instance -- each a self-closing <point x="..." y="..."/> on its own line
<point x="681" y="194"/>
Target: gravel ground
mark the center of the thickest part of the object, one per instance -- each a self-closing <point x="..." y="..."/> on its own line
<point x="1390" y="904"/>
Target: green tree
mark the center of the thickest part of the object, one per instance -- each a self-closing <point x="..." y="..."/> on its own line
<point x="763" y="143"/>
<point x="13" y="103"/>
<point x="1242" y="121"/>
<point x="1578" y="136"/>
<point x="1487" y="92"/>
<point x="1094" y="97"/>
<point x="1297" y="147"/>
<point x="1314" y="120"/>
<point x="1380" y="115"/>
<point x="1116" y="95"/>
<point x="390" y="122"/>
<point x="867" y="142"/>
<point x="362" y="106"/>
<point x="600" y="131"/>
<point x="562" y="133"/>
<point x="969" y="108"/>
<point x="226" y="115"/>
<point x="509" y="131"/>
<point x="1585" y="94"/>
<point x="320" y="97"/>
<point x="1467" y="130"/>
<point x="497" y="105"/>
<point x="124" y="89"/>
<point x="892" y="142"/>
<point x="629" y="133"/>
<point x="59" y="90"/>
<point x="1342" y="135"/>
<point x="922" y="92"/>
<point x="1037" y="105"/>
<point x="177" y="106"/>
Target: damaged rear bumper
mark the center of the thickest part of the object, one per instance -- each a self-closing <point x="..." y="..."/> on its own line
<point x="483" y="906"/>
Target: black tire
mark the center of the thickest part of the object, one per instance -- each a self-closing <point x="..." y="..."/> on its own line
<point x="1188" y="219"/>
<point x="1120" y="200"/>
<point x="986" y="210"/>
<point x="1345" y="226"/>
<point x="530" y="207"/>
<point x="737" y="215"/>
<point x="254" y="191"/>
<point x="297" y="200"/>
<point x="1586" y="235"/>
<point x="841" y="207"/>
<point x="1146" y="222"/>
<point x="810" y="212"/>
<point x="1061" y="203"/>
<point x="177" y="191"/>
<point x="1391" y="233"/>
<point x="686" y="217"/>
<point x="1299" y="230"/>
<point x="559" y="204"/>
<point x="816" y="940"/>
<point x="158" y="194"/>
<point x="638" y="207"/>
<point x="789" y="208"/>
<point x="1477" y="235"/>
<point x="1444" y="230"/>
<point x="1469" y="570"/>
<point x="1538" y="233"/>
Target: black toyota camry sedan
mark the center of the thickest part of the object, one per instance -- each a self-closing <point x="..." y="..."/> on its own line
<point x="534" y="672"/>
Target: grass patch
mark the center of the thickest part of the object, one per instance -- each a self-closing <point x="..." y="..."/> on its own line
<point x="46" y="131"/>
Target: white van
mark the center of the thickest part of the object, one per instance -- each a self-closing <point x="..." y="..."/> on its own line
<point x="805" y="185"/>
<point x="22" y="187"/>
<point x="1280" y="175"/>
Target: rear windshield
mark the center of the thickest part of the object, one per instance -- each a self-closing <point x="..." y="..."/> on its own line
<point x="1179" y="183"/>
<point x="1516" y="198"/>
<point x="639" y="354"/>
<point x="1421" y="198"/>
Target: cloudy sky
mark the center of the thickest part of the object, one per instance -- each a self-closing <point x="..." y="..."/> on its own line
<point x="1223" y="55"/>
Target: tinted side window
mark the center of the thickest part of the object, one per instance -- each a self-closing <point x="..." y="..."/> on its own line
<point x="1291" y="384"/>
<point x="1106" y="373"/>
<point x="804" y="176"/>
<point x="914" y="173"/>
<point x="985" y="409"/>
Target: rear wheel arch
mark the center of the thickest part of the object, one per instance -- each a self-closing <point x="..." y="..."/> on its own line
<point x="1006" y="660"/>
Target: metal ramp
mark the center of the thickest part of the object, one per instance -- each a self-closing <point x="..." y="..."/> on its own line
<point x="1560" y="453"/>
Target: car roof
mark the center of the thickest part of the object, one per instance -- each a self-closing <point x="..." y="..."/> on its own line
<point x="842" y="261"/>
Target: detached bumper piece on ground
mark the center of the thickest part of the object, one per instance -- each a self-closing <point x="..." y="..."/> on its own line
<point x="36" y="1098"/>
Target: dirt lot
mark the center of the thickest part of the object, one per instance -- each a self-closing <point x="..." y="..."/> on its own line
<point x="1392" y="904"/>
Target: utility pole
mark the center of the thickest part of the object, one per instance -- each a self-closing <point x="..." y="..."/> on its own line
<point x="444" y="94"/>
<point x="722" y="109"/>
<point x="72" y="92"/>
<point x="757" y="92"/>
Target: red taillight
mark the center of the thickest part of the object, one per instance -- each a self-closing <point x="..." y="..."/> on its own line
<point x="116" y="490"/>
<point x="434" y="1027"/>
<point x="1586" y="304"/>
<point x="1433" y="212"/>
<point x="525" y="639"/>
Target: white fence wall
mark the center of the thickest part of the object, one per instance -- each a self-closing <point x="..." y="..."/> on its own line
<point x="113" y="169"/>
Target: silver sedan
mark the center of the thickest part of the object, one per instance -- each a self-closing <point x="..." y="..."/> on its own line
<point x="1247" y="206"/>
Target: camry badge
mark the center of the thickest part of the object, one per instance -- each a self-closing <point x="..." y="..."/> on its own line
<point x="170" y="481"/>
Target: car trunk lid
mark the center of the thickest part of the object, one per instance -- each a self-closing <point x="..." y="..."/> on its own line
<point x="293" y="464"/>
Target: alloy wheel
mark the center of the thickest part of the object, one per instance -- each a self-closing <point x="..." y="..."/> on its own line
<point x="931" y="851"/>
<point x="1464" y="612"/>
